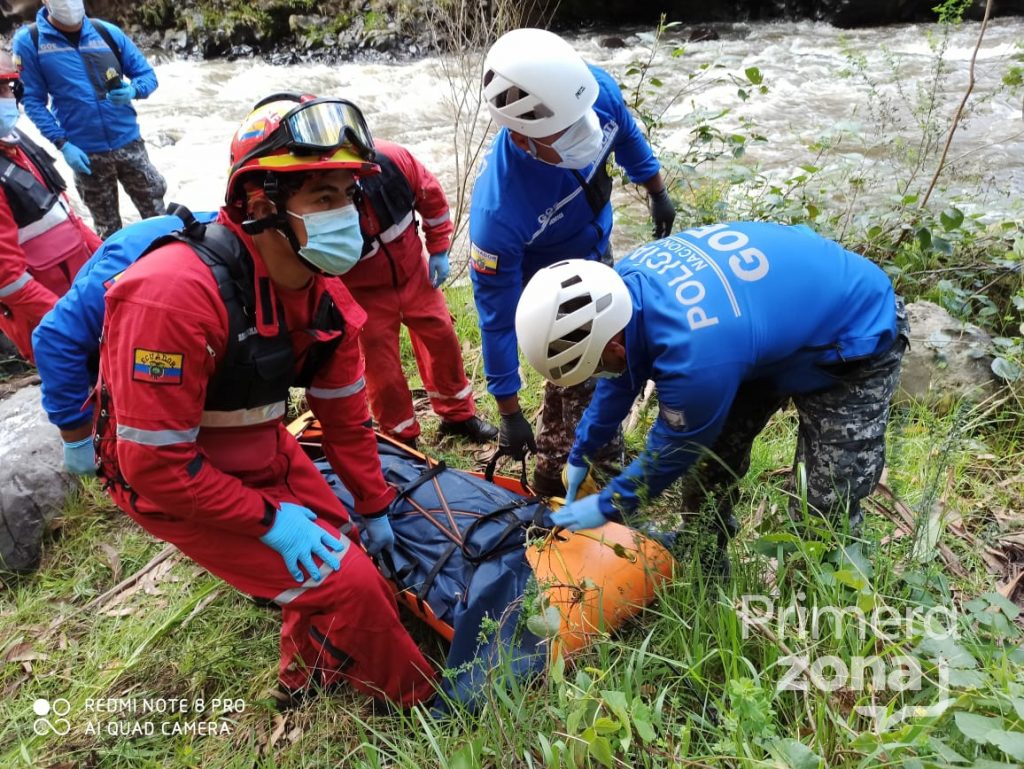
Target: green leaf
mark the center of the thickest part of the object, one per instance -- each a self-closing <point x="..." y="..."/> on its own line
<point x="618" y="704"/>
<point x="850" y="579"/>
<point x="1004" y="604"/>
<point x="754" y="75"/>
<point x="1011" y="743"/>
<point x="947" y="649"/>
<point x="924" y="239"/>
<point x="601" y="749"/>
<point x="1005" y="369"/>
<point x="795" y="755"/>
<point x="545" y="625"/>
<point x="468" y="756"/>
<point x="1018" y="706"/>
<point x="977" y="728"/>
<point x="770" y="543"/>
<point x="951" y="218"/>
<point x="605" y="725"/>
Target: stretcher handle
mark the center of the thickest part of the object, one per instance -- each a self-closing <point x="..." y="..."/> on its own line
<point x="492" y="465"/>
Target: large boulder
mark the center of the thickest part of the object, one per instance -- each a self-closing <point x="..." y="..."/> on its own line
<point x="948" y="359"/>
<point x="33" y="484"/>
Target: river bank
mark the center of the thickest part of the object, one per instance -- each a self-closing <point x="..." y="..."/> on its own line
<point x="299" y="31"/>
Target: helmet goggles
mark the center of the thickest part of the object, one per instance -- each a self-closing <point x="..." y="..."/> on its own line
<point x="317" y="127"/>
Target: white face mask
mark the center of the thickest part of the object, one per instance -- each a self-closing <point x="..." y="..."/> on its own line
<point x="581" y="143"/>
<point x="67" y="12"/>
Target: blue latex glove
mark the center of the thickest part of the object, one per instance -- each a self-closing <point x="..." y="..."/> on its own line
<point x="297" y="537"/>
<point x="585" y="514"/>
<point x="80" y="457"/>
<point x="438" y="268"/>
<point x="574" y="476"/>
<point x="122" y="95"/>
<point x="75" y="158"/>
<point x="379" y="534"/>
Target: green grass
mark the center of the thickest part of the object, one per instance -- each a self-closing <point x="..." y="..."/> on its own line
<point x="683" y="685"/>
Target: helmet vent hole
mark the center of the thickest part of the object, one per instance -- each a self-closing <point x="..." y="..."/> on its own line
<point x="572" y="281"/>
<point x="570" y="306"/>
<point x="573" y="338"/>
<point x="559" y="371"/>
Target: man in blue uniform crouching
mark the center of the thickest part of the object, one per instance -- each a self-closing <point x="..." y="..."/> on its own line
<point x="731" y="321"/>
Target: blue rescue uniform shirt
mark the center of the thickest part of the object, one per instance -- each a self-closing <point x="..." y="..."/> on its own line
<point x="75" y="79"/>
<point x="718" y="306"/>
<point x="67" y="340"/>
<point x="526" y="214"/>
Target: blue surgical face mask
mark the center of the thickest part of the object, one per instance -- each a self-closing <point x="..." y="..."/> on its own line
<point x="334" y="242"/>
<point x="9" y="115"/>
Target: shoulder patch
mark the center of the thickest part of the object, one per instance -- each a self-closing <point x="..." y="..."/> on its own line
<point x="157" y="367"/>
<point x="113" y="279"/>
<point x="483" y="262"/>
<point x="17" y="62"/>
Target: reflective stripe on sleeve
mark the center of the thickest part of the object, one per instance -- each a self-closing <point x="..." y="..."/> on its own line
<point x="156" y="437"/>
<point x="338" y="392"/>
<point x="15" y="285"/>
<point x="437" y="220"/>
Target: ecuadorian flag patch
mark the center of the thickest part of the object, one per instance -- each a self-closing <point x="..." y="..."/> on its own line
<point x="483" y="262"/>
<point x="111" y="281"/>
<point x="157" y="367"/>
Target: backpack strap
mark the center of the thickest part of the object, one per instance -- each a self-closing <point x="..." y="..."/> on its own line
<point x="108" y="38"/>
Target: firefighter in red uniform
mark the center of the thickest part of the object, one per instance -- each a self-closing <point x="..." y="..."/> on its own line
<point x="395" y="285"/>
<point x="43" y="242"/>
<point x="201" y="341"/>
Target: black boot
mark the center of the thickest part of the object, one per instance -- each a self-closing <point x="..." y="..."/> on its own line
<point x="474" y="428"/>
<point x="548" y="485"/>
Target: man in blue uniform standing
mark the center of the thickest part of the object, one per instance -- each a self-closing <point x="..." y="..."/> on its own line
<point x="542" y="194"/>
<point x="73" y="70"/>
<point x="730" y="321"/>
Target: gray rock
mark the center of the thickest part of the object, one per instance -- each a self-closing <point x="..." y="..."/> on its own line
<point x="33" y="484"/>
<point x="948" y="358"/>
<point x="299" y="25"/>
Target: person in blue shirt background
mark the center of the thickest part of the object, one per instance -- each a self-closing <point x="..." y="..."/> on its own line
<point x="67" y="340"/>
<point x="79" y="63"/>
<point x="730" y="321"/>
<point x="542" y="194"/>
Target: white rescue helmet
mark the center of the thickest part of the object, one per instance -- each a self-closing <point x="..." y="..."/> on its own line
<point x="536" y="84"/>
<point x="566" y="315"/>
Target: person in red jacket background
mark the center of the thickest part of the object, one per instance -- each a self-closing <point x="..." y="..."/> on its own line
<point x="396" y="285"/>
<point x="43" y="242"/>
<point x="202" y="340"/>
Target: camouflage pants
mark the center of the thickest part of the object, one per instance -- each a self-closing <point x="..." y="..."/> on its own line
<point x="563" y="409"/>
<point x="131" y="166"/>
<point x="840" y="441"/>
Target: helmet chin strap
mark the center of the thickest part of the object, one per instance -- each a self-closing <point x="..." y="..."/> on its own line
<point x="278" y="220"/>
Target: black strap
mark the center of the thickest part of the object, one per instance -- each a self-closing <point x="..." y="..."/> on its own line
<point x="427" y="475"/>
<point x="492" y="465"/>
<point x="195" y="229"/>
<point x="498" y="548"/>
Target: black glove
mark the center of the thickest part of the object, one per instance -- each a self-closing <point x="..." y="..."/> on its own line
<point x="663" y="213"/>
<point x="516" y="436"/>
